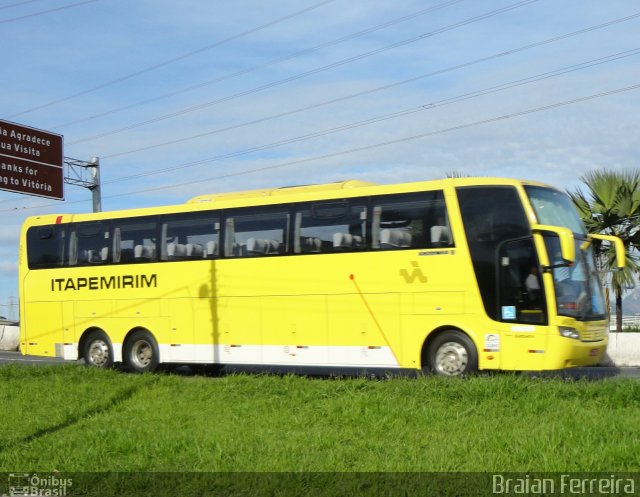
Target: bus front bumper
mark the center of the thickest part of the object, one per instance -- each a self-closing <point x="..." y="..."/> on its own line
<point x="567" y="352"/>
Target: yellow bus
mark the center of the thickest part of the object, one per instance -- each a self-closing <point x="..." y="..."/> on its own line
<point x="449" y="276"/>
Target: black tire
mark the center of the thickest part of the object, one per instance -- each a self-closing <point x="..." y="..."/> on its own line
<point x="141" y="353"/>
<point x="452" y="353"/>
<point x="97" y="350"/>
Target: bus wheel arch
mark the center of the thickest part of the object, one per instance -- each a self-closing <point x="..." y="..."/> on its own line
<point x="140" y="351"/>
<point x="96" y="349"/>
<point x="449" y="351"/>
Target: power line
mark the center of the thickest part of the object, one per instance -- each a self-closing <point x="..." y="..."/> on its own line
<point x="42" y="12"/>
<point x="390" y="142"/>
<point x="430" y="106"/>
<point x="512" y="51"/>
<point x="17" y="4"/>
<point x="264" y="65"/>
<point x="503" y="117"/>
<point x="420" y="108"/>
<point x="306" y="73"/>
<point x="392" y="85"/>
<point x="393" y="115"/>
<point x="174" y="59"/>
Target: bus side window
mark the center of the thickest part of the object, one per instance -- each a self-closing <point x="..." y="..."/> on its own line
<point x="46" y="247"/>
<point x="416" y="220"/>
<point x="190" y="236"/>
<point x="257" y="232"/>
<point x="89" y="243"/>
<point x="438" y="222"/>
<point x="491" y="216"/>
<point x="331" y="226"/>
<point x="134" y="240"/>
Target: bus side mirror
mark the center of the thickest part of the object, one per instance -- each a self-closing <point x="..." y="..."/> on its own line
<point x="619" y="247"/>
<point x="565" y="237"/>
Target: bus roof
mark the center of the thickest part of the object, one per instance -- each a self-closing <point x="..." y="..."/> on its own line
<point x="341" y="189"/>
<point x="285" y="190"/>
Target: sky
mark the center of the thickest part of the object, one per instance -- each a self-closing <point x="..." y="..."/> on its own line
<point x="179" y="99"/>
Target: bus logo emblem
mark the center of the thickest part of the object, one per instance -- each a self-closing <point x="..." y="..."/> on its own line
<point x="415" y="274"/>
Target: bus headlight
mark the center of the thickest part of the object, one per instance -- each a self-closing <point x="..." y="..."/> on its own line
<point x="569" y="332"/>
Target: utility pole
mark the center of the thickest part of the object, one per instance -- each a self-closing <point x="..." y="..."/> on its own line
<point x="12" y="306"/>
<point x="95" y="191"/>
<point x="85" y="174"/>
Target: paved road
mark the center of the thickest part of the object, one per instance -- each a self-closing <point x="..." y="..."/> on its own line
<point x="18" y="358"/>
<point x="593" y="373"/>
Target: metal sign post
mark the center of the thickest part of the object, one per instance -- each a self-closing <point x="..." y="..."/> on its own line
<point x="85" y="174"/>
<point x="32" y="162"/>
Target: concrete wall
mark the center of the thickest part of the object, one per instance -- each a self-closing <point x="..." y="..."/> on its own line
<point x="9" y="337"/>
<point x="623" y="350"/>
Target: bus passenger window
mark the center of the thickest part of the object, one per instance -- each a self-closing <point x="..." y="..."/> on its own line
<point x="416" y="220"/>
<point x="190" y="236"/>
<point x="135" y="241"/>
<point x="89" y="244"/>
<point x="332" y="226"/>
<point x="257" y="232"/>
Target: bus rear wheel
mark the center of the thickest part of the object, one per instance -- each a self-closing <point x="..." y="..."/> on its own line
<point x="97" y="350"/>
<point x="452" y="353"/>
<point x="141" y="353"/>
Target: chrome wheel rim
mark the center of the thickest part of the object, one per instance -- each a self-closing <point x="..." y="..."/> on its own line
<point x="141" y="353"/>
<point x="98" y="353"/>
<point x="451" y="359"/>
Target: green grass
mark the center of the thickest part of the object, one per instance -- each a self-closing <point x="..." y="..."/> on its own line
<point x="75" y="419"/>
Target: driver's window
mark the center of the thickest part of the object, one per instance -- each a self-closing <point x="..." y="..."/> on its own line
<point x="521" y="296"/>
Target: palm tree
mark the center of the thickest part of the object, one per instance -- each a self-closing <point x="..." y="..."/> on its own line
<point x="611" y="206"/>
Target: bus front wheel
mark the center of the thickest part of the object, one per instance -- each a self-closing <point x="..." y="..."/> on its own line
<point x="97" y="350"/>
<point x="452" y="353"/>
<point x="141" y="354"/>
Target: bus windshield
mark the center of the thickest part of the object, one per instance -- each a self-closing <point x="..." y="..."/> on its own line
<point x="554" y="208"/>
<point x="577" y="288"/>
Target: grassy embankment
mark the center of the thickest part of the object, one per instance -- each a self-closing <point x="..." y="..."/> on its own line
<point x="74" y="419"/>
